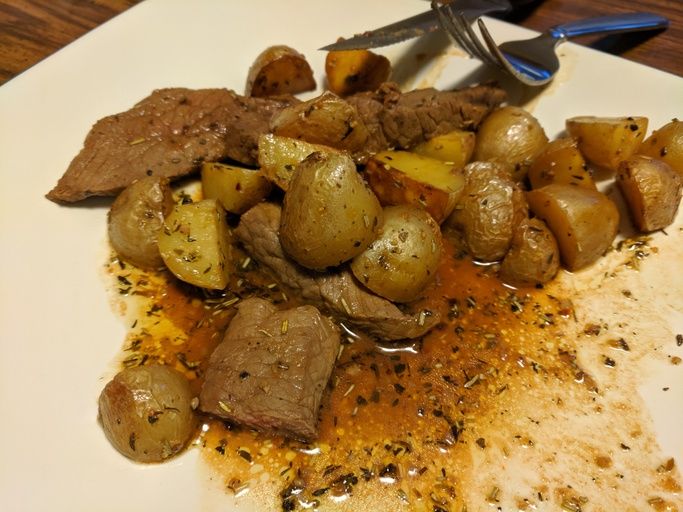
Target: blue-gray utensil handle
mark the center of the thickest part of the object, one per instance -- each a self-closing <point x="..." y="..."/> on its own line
<point x="630" y="22"/>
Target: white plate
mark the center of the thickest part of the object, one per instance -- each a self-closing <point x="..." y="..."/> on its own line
<point x="58" y="335"/>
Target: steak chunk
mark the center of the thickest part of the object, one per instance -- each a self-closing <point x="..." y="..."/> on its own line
<point x="403" y="120"/>
<point x="338" y="292"/>
<point x="168" y="134"/>
<point x="271" y="369"/>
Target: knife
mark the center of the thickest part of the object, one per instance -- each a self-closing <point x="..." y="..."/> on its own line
<point x="416" y="26"/>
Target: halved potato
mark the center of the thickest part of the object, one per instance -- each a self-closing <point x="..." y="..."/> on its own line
<point x="279" y="70"/>
<point x="652" y="191"/>
<point x="404" y="257"/>
<point x="353" y="71"/>
<point x="510" y="135"/>
<point x="402" y="177"/>
<point x="195" y="244"/>
<point x="236" y="188"/>
<point x="606" y="141"/>
<point x="560" y="162"/>
<point x="666" y="144"/>
<point x="455" y="147"/>
<point x="279" y="156"/>
<point x="584" y="221"/>
<point x="327" y="120"/>
<point x="533" y="258"/>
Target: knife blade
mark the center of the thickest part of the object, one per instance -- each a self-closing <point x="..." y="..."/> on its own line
<point x="415" y="26"/>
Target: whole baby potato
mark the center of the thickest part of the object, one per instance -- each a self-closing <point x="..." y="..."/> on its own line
<point x="490" y="207"/>
<point x="404" y="258"/>
<point x="329" y="215"/>
<point x="510" y="135"/>
<point x="146" y="412"/>
<point x="135" y="220"/>
<point x="584" y="221"/>
<point x="533" y="258"/>
<point x="666" y="144"/>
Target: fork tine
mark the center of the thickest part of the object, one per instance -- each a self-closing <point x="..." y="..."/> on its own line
<point x="495" y="51"/>
<point x="481" y="51"/>
<point x="450" y="28"/>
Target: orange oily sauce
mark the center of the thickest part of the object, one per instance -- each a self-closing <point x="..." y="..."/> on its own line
<point x="490" y="410"/>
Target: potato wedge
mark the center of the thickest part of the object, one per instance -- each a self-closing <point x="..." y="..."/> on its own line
<point x="329" y="215"/>
<point x="136" y="218"/>
<point x="560" y="162"/>
<point x="652" y="191"/>
<point x="236" y="188"/>
<point x="606" y="141"/>
<point x="279" y="156"/>
<point x="666" y="144"/>
<point x="402" y="177"/>
<point x="279" y="70"/>
<point x="583" y="221"/>
<point x="533" y="258"/>
<point x="195" y="244"/>
<point x="455" y="147"/>
<point x="353" y="71"/>
<point x="404" y="257"/>
<point x="327" y="120"/>
<point x="490" y="208"/>
<point x="510" y="135"/>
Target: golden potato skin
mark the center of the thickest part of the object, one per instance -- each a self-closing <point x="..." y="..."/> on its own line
<point x="533" y="258"/>
<point x="666" y="144"/>
<point x="510" y="135"/>
<point x="404" y="257"/>
<point x="560" y="162"/>
<point x="652" y="191"/>
<point x="606" y="141"/>
<point x="146" y="412"/>
<point x="279" y="70"/>
<point x="136" y="218"/>
<point x="456" y="147"/>
<point x="490" y="208"/>
<point x="327" y="120"/>
<point x="236" y="188"/>
<point x="329" y="215"/>
<point x="583" y="221"/>
<point x="353" y="71"/>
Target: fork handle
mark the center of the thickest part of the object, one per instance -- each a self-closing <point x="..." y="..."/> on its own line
<point x="630" y="22"/>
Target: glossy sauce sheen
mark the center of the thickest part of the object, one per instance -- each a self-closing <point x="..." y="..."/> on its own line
<point x="490" y="410"/>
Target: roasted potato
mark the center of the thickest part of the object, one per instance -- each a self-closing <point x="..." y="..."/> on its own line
<point x="404" y="257"/>
<point x="489" y="209"/>
<point x="327" y="120"/>
<point x="533" y="258"/>
<point x="560" y="162"/>
<point x="135" y="220"/>
<point x="583" y="221"/>
<point x="455" y="147"/>
<point x="195" y="244"/>
<point x="353" y="71"/>
<point x="146" y="412"/>
<point x="666" y="144"/>
<point x="329" y="215"/>
<point x="279" y="70"/>
<point x="510" y="135"/>
<point x="236" y="188"/>
<point x="279" y="156"/>
<point x="606" y="141"/>
<point x="401" y="177"/>
<point x="652" y="191"/>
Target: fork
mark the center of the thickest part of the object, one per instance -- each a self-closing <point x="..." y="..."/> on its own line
<point x="533" y="61"/>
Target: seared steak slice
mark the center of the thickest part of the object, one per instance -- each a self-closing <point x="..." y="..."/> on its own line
<point x="271" y="369"/>
<point x="337" y="292"/>
<point x="403" y="120"/>
<point x="167" y="134"/>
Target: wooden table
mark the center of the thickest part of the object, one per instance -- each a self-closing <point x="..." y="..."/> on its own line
<point x="30" y="30"/>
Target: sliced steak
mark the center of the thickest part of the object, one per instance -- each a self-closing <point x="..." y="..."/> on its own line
<point x="169" y="134"/>
<point x="271" y="369"/>
<point x="339" y="292"/>
<point x="402" y="120"/>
